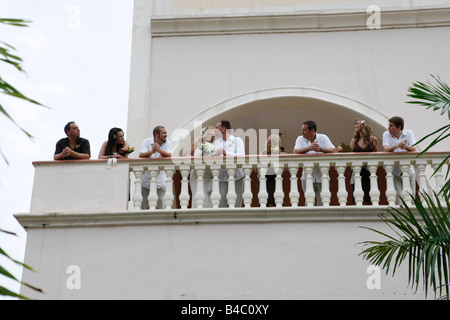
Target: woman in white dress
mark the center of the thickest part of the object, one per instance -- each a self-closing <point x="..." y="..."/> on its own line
<point x="203" y="147"/>
<point x="273" y="148"/>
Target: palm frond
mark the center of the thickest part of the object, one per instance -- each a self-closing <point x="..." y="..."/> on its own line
<point x="15" y="22"/>
<point x="423" y="239"/>
<point x="436" y="97"/>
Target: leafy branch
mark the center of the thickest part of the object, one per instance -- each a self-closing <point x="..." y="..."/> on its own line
<point x="7" y="56"/>
<point x="426" y="246"/>
<point x="6" y="292"/>
<point x="436" y="97"/>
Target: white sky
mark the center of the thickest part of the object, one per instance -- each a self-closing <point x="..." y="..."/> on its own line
<point x="77" y="58"/>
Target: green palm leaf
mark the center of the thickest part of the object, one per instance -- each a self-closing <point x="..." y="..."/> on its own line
<point x="15" y="22"/>
<point x="437" y="97"/>
<point x="8" y="57"/>
<point x="423" y="239"/>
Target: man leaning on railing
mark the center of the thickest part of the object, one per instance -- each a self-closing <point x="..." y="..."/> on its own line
<point x="156" y="146"/>
<point x="396" y="139"/>
<point x="313" y="142"/>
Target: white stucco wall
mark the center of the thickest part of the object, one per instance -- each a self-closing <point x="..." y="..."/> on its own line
<point x="182" y="76"/>
<point x="79" y="186"/>
<point x="209" y="261"/>
<point x="190" y="74"/>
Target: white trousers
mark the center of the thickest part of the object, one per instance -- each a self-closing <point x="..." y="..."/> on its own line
<point x="317" y="187"/>
<point x="159" y="205"/>
<point x="223" y="189"/>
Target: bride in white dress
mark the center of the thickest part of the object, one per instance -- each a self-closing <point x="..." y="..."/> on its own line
<point x="203" y="147"/>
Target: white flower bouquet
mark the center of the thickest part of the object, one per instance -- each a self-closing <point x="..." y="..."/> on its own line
<point x="207" y="149"/>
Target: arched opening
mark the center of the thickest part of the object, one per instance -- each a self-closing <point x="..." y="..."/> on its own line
<point x="287" y="108"/>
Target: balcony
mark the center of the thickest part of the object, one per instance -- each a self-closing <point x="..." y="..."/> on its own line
<point x="97" y="192"/>
<point x="88" y="214"/>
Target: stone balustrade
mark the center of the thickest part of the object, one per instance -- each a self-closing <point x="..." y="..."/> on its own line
<point x="335" y="170"/>
<point x="95" y="192"/>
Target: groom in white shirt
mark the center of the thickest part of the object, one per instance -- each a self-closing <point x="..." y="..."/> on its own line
<point x="226" y="144"/>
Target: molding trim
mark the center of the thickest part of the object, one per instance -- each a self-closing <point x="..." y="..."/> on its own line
<point x="295" y="23"/>
<point x="202" y="216"/>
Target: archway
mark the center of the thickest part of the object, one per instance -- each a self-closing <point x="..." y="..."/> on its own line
<point x="286" y="108"/>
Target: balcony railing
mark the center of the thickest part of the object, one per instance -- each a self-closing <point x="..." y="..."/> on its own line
<point x="336" y="172"/>
<point x="95" y="192"/>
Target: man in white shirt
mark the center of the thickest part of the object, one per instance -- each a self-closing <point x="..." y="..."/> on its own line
<point x="313" y="142"/>
<point x="155" y="147"/>
<point x="226" y="144"/>
<point x="396" y="139"/>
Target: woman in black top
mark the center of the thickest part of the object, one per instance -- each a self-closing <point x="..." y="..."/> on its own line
<point x="364" y="141"/>
<point x="115" y="147"/>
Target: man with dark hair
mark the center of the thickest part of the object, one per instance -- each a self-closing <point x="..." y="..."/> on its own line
<point x="397" y="122"/>
<point x="225" y="124"/>
<point x="396" y="139"/>
<point x="225" y="145"/>
<point x="72" y="147"/>
<point x="313" y="142"/>
<point x="155" y="147"/>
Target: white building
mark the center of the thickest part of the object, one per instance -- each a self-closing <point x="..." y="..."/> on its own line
<point x="262" y="65"/>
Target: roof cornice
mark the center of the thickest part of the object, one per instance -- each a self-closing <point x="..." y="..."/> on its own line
<point x="164" y="26"/>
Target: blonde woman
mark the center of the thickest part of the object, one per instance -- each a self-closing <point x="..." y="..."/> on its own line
<point x="364" y="141"/>
<point x="273" y="148"/>
<point x="203" y="147"/>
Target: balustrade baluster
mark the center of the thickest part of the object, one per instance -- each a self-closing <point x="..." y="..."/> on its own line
<point x="263" y="196"/>
<point x="247" y="195"/>
<point x="439" y="181"/>
<point x="390" y="190"/>
<point x="169" y="196"/>
<point x="294" y="195"/>
<point x="342" y="190"/>
<point x="215" y="193"/>
<point x="374" y="190"/>
<point x="309" y="192"/>
<point x="231" y="195"/>
<point x="279" y="194"/>
<point x="358" y="193"/>
<point x="407" y="188"/>
<point x="200" y="195"/>
<point x="137" y="197"/>
<point x="153" y="193"/>
<point x="422" y="177"/>
<point x="184" y="194"/>
<point x="325" y="194"/>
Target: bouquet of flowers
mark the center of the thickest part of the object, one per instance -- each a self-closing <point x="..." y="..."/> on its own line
<point x="344" y="148"/>
<point x="128" y="151"/>
<point x="273" y="150"/>
<point x="207" y="149"/>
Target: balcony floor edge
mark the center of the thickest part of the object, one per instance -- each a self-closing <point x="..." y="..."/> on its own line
<point x="201" y="216"/>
